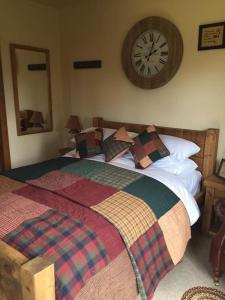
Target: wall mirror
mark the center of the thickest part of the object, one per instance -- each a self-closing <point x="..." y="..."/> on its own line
<point x="32" y="88"/>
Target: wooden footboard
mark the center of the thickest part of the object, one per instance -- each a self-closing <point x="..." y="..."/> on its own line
<point x="24" y="279"/>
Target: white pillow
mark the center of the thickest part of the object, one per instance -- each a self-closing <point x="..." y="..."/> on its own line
<point x="107" y="132"/>
<point x="174" y="166"/>
<point x="179" y="148"/>
<point x="169" y="164"/>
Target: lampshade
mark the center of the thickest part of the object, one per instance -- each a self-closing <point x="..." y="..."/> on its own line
<point x="73" y="123"/>
<point x="37" y="118"/>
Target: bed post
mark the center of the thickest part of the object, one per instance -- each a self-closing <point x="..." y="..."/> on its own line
<point x="24" y="279"/>
<point x="210" y="152"/>
<point x="10" y="277"/>
<point x="98" y="122"/>
<point x="38" y="281"/>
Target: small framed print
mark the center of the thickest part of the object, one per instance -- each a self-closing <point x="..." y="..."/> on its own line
<point x="211" y="36"/>
<point x="221" y="170"/>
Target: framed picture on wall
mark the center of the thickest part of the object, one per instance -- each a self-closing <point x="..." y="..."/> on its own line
<point x="221" y="170"/>
<point x="211" y="36"/>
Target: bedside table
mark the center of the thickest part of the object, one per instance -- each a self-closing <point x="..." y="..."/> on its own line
<point x="64" y="150"/>
<point x="215" y="188"/>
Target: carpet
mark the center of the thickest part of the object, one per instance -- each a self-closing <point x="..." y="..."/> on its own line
<point x="203" y="293"/>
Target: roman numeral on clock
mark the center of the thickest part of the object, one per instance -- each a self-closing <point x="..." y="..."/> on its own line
<point x="142" y="69"/>
<point x="162" y="61"/>
<point x="162" y="45"/>
<point x="164" y="53"/>
<point x="144" y="39"/>
<point x="151" y="37"/>
<point x="138" y="62"/>
<point x="156" y="69"/>
<point x="158" y="39"/>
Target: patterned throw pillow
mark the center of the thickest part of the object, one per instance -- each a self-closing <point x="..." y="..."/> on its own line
<point x="148" y="148"/>
<point x="89" y="143"/>
<point x="116" y="144"/>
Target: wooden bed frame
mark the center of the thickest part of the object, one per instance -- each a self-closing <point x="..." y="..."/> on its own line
<point x="23" y="279"/>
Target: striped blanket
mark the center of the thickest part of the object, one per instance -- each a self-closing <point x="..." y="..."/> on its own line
<point x="83" y="215"/>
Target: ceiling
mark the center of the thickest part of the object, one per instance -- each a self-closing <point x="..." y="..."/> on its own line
<point x="54" y="3"/>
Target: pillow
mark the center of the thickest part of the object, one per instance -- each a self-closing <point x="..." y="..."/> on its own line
<point x="175" y="166"/>
<point x="89" y="143"/>
<point x="179" y="148"/>
<point x="116" y="144"/>
<point x="110" y="131"/>
<point x="148" y="148"/>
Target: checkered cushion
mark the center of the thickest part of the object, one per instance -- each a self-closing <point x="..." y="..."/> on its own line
<point x="148" y="148"/>
<point x="89" y="143"/>
<point x="116" y="144"/>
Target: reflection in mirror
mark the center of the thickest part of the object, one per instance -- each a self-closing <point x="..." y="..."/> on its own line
<point x="32" y="89"/>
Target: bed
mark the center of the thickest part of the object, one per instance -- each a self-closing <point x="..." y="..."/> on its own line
<point x="23" y="277"/>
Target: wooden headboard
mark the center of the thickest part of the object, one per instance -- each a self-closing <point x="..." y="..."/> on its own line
<point x="207" y="140"/>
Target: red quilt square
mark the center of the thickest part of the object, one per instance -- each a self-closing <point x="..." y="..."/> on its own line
<point x="87" y="192"/>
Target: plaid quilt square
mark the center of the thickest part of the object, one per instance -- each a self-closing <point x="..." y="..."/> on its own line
<point x="130" y="215"/>
<point x="55" y="180"/>
<point x="87" y="192"/>
<point x="8" y="184"/>
<point x="75" y="250"/>
<point x="105" y="231"/>
<point x="84" y="168"/>
<point x="89" y="143"/>
<point x="37" y="170"/>
<point x="148" y="148"/>
<point x="114" y="176"/>
<point x="116" y="144"/>
<point x="15" y="209"/>
<point x="152" y="259"/>
<point x="176" y="223"/>
<point x="158" y="196"/>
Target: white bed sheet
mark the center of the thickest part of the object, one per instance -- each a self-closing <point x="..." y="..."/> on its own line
<point x="173" y="182"/>
<point x="191" y="180"/>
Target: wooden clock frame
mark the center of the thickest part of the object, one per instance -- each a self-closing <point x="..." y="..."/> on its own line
<point x="175" y="45"/>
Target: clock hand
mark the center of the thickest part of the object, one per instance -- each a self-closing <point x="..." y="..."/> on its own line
<point x="154" y="51"/>
<point x="152" y="47"/>
<point x="151" y="53"/>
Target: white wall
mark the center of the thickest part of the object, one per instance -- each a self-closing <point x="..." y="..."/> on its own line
<point x="28" y="23"/>
<point x="95" y="29"/>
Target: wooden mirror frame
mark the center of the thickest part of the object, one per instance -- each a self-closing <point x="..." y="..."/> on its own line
<point x="13" y="48"/>
<point x="5" y="162"/>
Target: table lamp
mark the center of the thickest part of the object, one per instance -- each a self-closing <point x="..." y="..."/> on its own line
<point x="73" y="124"/>
<point x="37" y="119"/>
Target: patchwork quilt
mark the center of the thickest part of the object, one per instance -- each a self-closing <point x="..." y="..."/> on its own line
<point x="84" y="216"/>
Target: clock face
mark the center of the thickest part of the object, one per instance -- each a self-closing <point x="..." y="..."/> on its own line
<point x="152" y="52"/>
<point x="149" y="53"/>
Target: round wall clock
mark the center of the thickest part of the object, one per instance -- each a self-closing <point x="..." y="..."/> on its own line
<point x="152" y="52"/>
